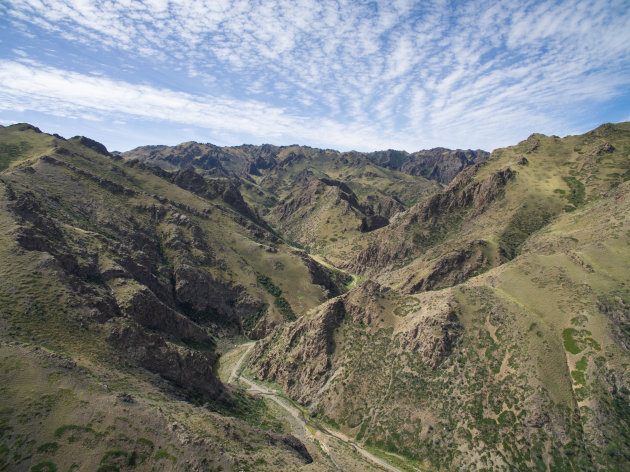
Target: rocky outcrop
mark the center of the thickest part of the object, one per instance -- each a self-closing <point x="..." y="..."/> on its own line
<point x="450" y="269"/>
<point x="419" y="228"/>
<point x="384" y="206"/>
<point x="333" y="281"/>
<point x="432" y="333"/>
<point x="439" y="164"/>
<point x="197" y="290"/>
<point x="36" y="227"/>
<point x="143" y="307"/>
<point x="187" y="368"/>
<point x="312" y="192"/>
<point x="288" y="441"/>
<point x="190" y="180"/>
<point x="463" y="192"/>
<point x="298" y="356"/>
<point x="371" y="223"/>
<point x="302" y="357"/>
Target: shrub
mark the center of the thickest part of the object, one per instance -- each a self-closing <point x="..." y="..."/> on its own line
<point x="44" y="467"/>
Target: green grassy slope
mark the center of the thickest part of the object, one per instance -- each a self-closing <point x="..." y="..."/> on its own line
<point x="523" y="367"/>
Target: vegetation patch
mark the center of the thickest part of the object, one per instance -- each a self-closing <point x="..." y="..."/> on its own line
<point x="268" y="285"/>
<point x="251" y="320"/>
<point x="115" y="456"/>
<point x="280" y="302"/>
<point x="507" y="418"/>
<point x="48" y="448"/>
<point x="44" y="467"/>
<point x="577" y="191"/>
<point x="164" y="454"/>
<point x="108" y="468"/>
<point x="581" y="364"/>
<point x="285" y="309"/>
<point x="570" y="343"/>
<point x="12" y="152"/>
<point x="524" y="222"/>
<point x="578" y="377"/>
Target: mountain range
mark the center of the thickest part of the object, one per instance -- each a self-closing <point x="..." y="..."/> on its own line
<point x="265" y="308"/>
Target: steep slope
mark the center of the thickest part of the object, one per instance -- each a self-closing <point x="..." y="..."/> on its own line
<point x="134" y="275"/>
<point x="523" y="367"/>
<point x="487" y="328"/>
<point x="484" y="216"/>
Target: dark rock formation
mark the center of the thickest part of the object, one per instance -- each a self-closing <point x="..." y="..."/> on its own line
<point x="333" y="281"/>
<point x="292" y="443"/>
<point x="309" y="364"/>
<point x="464" y="196"/>
<point x="451" y="268"/>
<point x="187" y="368"/>
<point x="371" y="223"/>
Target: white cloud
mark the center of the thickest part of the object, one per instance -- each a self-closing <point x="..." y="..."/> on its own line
<point x="418" y="73"/>
<point x="72" y="95"/>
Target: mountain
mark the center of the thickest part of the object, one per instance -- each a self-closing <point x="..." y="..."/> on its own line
<point x="493" y="331"/>
<point x="448" y="310"/>
<point x="438" y="164"/>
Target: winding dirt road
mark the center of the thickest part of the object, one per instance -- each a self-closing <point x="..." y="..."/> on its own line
<point x="296" y="414"/>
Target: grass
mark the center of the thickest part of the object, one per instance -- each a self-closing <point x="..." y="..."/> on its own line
<point x="570" y="343"/>
<point x="164" y="454"/>
<point x="46" y="466"/>
<point x="284" y="308"/>
<point x="48" y="448"/>
<point x="577" y="191"/>
<point x="385" y="380"/>
<point x="281" y="303"/>
<point x="72" y="429"/>
<point x="268" y="285"/>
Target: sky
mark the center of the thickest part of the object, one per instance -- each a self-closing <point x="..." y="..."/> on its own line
<point x="362" y="75"/>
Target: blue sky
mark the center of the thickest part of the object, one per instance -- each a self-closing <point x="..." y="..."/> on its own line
<point x="362" y="75"/>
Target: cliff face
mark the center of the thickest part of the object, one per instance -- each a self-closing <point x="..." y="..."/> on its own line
<point x="149" y="270"/>
<point x="429" y="223"/>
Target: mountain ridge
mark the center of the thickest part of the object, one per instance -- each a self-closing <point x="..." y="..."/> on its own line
<point x="479" y="321"/>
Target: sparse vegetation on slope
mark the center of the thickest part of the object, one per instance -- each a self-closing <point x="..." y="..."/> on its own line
<point x="478" y="320"/>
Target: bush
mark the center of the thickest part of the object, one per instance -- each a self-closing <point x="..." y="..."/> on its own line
<point x="268" y="285"/>
<point x="44" y="467"/>
<point x="285" y="309"/>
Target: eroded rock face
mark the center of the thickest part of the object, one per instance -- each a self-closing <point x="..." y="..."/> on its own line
<point x="463" y="197"/>
<point x="451" y="269"/>
<point x="438" y="164"/>
<point x="303" y="370"/>
<point x="90" y="143"/>
<point x="292" y="443"/>
<point x="302" y="356"/>
<point x="188" y="368"/>
<point x="144" y="308"/>
<point x="431" y="333"/>
<point x="333" y="281"/>
<point x="371" y="223"/>
<point x="464" y="192"/>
